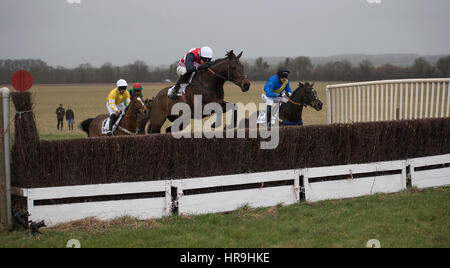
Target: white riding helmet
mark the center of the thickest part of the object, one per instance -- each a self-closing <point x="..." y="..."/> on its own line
<point x="122" y="83"/>
<point x="206" y="52"/>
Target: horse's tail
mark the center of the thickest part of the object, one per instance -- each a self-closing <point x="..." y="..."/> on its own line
<point x="85" y="125"/>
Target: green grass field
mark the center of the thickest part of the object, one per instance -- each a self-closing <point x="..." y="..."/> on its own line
<point x="414" y="218"/>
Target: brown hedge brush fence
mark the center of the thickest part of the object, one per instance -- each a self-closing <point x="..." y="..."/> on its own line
<point x="160" y="156"/>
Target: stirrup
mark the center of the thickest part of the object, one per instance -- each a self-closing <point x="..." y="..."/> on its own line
<point x="172" y="95"/>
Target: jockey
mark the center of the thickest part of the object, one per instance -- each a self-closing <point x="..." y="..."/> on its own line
<point x="137" y="89"/>
<point x="118" y="99"/>
<point x="194" y="60"/>
<point x="275" y="90"/>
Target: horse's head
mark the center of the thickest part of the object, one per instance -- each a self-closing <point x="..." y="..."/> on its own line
<point x="307" y="95"/>
<point x="139" y="106"/>
<point x="236" y="71"/>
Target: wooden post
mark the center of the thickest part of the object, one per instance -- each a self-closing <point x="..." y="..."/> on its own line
<point x="5" y="176"/>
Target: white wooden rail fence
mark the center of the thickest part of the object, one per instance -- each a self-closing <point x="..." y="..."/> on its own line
<point x="222" y="201"/>
<point x="191" y="196"/>
<point x="388" y="100"/>
<point x="360" y="180"/>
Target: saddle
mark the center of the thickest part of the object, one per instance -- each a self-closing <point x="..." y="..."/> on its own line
<point x="181" y="91"/>
<point x="105" y="124"/>
<point x="183" y="86"/>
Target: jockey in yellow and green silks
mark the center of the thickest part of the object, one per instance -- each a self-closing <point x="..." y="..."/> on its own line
<point x="117" y="101"/>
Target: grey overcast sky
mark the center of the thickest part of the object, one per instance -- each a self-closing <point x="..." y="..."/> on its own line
<point x="159" y="32"/>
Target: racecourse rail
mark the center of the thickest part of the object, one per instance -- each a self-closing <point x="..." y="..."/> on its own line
<point x="388" y="100"/>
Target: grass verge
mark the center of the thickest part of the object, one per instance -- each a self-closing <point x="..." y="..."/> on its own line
<point x="413" y="218"/>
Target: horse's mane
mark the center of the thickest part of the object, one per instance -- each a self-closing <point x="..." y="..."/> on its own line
<point x="219" y="60"/>
<point x="216" y="61"/>
<point x="298" y="90"/>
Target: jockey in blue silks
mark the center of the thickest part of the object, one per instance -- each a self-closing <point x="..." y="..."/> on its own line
<point x="274" y="92"/>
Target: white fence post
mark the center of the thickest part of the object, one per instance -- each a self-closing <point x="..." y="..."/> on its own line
<point x="328" y="104"/>
<point x="415" y="100"/>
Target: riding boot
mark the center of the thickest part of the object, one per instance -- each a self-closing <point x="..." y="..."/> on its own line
<point x="275" y="110"/>
<point x="269" y="115"/>
<point x="173" y="93"/>
<point x="112" y="121"/>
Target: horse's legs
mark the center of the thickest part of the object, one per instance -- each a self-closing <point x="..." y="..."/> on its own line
<point x="225" y="106"/>
<point x="142" y="126"/>
<point x="156" y="123"/>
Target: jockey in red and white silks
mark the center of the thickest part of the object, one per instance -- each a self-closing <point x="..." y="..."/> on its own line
<point x="191" y="62"/>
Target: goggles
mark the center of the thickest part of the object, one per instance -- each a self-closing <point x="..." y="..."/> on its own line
<point x="283" y="75"/>
<point x="205" y="59"/>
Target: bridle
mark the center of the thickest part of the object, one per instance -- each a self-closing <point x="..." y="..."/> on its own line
<point x="301" y="103"/>
<point x="229" y="76"/>
<point x="138" y="114"/>
<point x="138" y="111"/>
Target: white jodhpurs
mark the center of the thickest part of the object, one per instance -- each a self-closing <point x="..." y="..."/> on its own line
<point x="274" y="103"/>
<point x="181" y="70"/>
<point x="121" y="107"/>
<point x="270" y="100"/>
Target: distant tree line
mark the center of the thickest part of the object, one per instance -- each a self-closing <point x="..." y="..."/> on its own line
<point x="301" y="70"/>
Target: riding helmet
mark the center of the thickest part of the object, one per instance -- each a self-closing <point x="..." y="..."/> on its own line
<point x="137" y="87"/>
<point x="206" y="52"/>
<point x="122" y="83"/>
<point x="283" y="70"/>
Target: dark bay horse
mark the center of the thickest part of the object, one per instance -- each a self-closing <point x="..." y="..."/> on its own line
<point x="129" y="125"/>
<point x="207" y="83"/>
<point x="303" y="96"/>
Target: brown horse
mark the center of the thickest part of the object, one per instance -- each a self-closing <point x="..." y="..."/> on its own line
<point x="208" y="83"/>
<point x="129" y="125"/>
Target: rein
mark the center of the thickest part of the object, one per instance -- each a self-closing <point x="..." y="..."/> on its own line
<point x="126" y="130"/>
<point x="296" y="103"/>
<point x="223" y="77"/>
